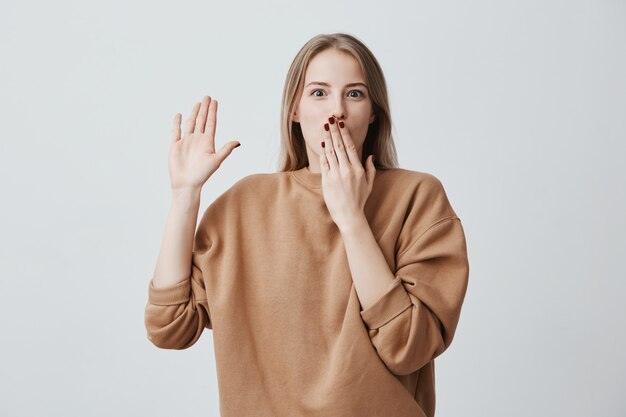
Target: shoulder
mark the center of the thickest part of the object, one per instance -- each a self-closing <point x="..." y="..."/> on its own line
<point x="420" y="195"/>
<point x="250" y="189"/>
<point x="423" y="185"/>
<point x="257" y="185"/>
<point x="259" y="179"/>
<point x="250" y="182"/>
<point x="227" y="208"/>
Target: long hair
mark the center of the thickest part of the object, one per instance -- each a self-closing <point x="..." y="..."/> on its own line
<point x="379" y="139"/>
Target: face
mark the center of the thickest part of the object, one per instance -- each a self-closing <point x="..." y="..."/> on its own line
<point x="334" y="85"/>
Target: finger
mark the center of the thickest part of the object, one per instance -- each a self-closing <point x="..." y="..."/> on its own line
<point x="201" y="118"/>
<point x="323" y="164"/>
<point x="351" y="151"/>
<point x="225" y="150"/>
<point x="191" y="120"/>
<point x="211" y="122"/>
<point x="176" y="128"/>
<point x="370" y="170"/>
<point x="329" y="149"/>
<point x="340" y="149"/>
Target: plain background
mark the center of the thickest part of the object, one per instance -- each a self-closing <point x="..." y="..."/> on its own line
<point x="519" y="108"/>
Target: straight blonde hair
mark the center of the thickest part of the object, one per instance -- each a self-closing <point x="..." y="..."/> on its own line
<point x="379" y="138"/>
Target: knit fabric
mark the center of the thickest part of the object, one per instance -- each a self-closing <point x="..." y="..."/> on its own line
<point x="270" y="277"/>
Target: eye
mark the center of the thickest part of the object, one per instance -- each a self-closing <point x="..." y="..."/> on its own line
<point x="359" y="93"/>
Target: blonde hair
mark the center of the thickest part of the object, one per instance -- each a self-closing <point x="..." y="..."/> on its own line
<point x="379" y="138"/>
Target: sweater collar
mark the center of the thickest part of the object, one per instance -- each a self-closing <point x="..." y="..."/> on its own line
<point x="308" y="178"/>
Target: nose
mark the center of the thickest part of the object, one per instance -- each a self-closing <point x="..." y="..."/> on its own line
<point x="339" y="109"/>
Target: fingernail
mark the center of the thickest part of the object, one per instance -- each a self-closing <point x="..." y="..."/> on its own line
<point x="331" y="120"/>
<point x="326" y="127"/>
<point x="239" y="144"/>
<point x="341" y="124"/>
<point x="323" y="144"/>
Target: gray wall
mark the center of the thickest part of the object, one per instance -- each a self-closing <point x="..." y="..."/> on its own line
<point x="518" y="107"/>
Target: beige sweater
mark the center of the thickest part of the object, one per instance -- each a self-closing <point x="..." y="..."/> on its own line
<point x="271" y="279"/>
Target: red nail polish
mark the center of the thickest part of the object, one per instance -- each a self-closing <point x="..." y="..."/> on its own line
<point x="331" y="120"/>
<point x="323" y="145"/>
<point x="326" y="127"/>
<point x="341" y="124"/>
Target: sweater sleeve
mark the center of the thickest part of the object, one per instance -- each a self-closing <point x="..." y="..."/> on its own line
<point x="176" y="315"/>
<point x="415" y="320"/>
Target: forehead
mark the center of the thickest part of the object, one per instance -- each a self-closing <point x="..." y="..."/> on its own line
<point x="333" y="65"/>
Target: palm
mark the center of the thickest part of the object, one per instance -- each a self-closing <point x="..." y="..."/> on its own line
<point x="192" y="157"/>
<point x="192" y="161"/>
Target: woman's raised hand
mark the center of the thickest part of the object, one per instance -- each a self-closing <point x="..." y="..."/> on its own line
<point x="192" y="157"/>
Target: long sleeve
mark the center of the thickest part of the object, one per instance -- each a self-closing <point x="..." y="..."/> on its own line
<point x="415" y="320"/>
<point x="176" y="315"/>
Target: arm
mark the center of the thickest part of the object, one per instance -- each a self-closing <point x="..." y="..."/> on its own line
<point x="411" y="310"/>
<point x="177" y="310"/>
<point x="415" y="319"/>
<point x="369" y="269"/>
<point x="174" y="261"/>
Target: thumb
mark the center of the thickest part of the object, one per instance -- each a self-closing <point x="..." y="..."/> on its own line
<point x="225" y="150"/>
<point x="370" y="170"/>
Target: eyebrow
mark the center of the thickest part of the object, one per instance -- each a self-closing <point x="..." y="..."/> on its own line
<point x="328" y="85"/>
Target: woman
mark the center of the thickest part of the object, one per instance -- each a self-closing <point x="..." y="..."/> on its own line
<point x="331" y="285"/>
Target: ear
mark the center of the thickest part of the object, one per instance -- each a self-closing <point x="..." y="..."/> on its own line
<point x="372" y="118"/>
<point x="294" y="116"/>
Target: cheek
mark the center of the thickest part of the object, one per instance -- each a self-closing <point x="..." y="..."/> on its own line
<point x="310" y="113"/>
<point x="360" y="130"/>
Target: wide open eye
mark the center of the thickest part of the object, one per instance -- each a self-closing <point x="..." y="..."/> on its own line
<point x="359" y="93"/>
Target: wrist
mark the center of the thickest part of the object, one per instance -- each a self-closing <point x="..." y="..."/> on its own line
<point x="186" y="194"/>
<point x="356" y="224"/>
